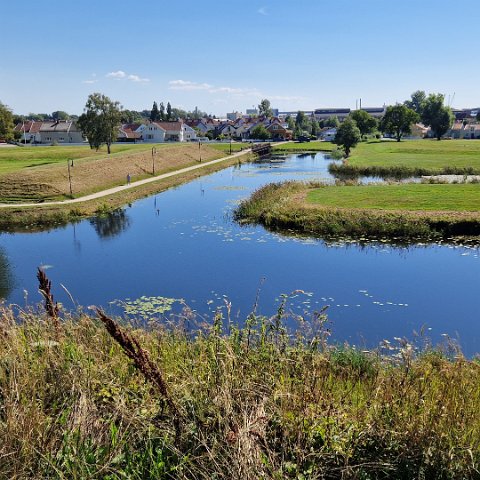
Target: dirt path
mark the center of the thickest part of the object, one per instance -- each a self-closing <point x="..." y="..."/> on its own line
<point x="110" y="191"/>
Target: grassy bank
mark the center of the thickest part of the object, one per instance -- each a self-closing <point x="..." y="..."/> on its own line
<point x="235" y="147"/>
<point x="228" y="403"/>
<point x="16" y="159"/>
<point x="412" y="158"/>
<point x="397" y="212"/>
<point x="45" y="217"/>
<point x="92" y="174"/>
<point x="293" y="147"/>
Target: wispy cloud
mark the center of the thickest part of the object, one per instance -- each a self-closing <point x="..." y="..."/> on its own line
<point x="90" y="82"/>
<point x="117" y="74"/>
<point x="262" y="11"/>
<point x="187" y="85"/>
<point x="120" y="74"/>
<point x="231" y="92"/>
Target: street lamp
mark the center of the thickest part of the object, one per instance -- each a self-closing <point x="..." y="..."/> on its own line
<point x="69" y="178"/>
<point x="154" y="152"/>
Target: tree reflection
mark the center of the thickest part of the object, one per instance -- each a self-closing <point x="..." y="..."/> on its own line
<point x="111" y="224"/>
<point x="6" y="276"/>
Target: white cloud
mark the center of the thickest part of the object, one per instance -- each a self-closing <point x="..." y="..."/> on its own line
<point x="117" y="74"/>
<point x="120" y="74"/>
<point x="187" y="85"/>
<point x="90" y="82"/>
<point x="136" y="78"/>
<point x="262" y="11"/>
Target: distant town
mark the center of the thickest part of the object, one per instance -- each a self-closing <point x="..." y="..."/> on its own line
<point x="173" y="125"/>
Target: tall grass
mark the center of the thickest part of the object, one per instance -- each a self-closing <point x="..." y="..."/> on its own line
<point x="253" y="402"/>
<point x="398" y="172"/>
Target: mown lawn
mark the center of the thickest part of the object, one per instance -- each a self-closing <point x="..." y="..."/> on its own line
<point x="225" y="147"/>
<point x="15" y="159"/>
<point x="436" y="197"/>
<point x="302" y="146"/>
<point x="430" y="154"/>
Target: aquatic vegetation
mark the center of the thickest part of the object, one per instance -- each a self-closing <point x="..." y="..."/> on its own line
<point x="147" y="308"/>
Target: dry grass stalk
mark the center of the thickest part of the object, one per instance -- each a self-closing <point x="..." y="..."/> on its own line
<point x="51" y="307"/>
<point x="142" y="361"/>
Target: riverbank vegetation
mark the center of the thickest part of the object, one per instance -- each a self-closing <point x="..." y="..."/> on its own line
<point x="395" y="212"/>
<point x="88" y="396"/>
<point x="411" y="158"/>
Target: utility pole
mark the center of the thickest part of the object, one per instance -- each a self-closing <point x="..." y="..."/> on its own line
<point x="154" y="152"/>
<point x="69" y="178"/>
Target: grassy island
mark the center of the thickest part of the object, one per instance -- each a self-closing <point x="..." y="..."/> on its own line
<point x="403" y="211"/>
<point x="88" y="396"/>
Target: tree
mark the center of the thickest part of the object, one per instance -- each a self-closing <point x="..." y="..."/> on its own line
<point x="478" y="116"/>
<point x="332" y="122"/>
<point x="6" y="123"/>
<point x="169" y="112"/>
<point x="300" y="120"/>
<point x="264" y="109"/>
<point x="132" y="116"/>
<point x="155" y="113"/>
<point x="100" y="121"/>
<point x="398" y="120"/>
<point x="260" y="132"/>
<point x="290" y="122"/>
<point x="60" y="115"/>
<point x="162" y="111"/>
<point x="417" y="101"/>
<point x="365" y="122"/>
<point x="315" y="127"/>
<point x="437" y="116"/>
<point x="348" y="135"/>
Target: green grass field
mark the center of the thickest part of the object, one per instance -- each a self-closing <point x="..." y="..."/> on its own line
<point x="310" y="146"/>
<point x="15" y="159"/>
<point x="413" y="197"/>
<point x="225" y="147"/>
<point x="430" y="154"/>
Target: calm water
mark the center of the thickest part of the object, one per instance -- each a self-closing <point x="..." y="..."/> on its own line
<point x="183" y="244"/>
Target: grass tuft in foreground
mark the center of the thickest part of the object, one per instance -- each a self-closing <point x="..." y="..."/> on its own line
<point x="252" y="402"/>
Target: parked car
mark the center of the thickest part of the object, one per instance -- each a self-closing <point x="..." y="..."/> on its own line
<point x="303" y="138"/>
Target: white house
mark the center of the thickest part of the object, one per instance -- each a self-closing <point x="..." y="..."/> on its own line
<point x="189" y="134"/>
<point x="30" y="131"/>
<point x="158" y="132"/>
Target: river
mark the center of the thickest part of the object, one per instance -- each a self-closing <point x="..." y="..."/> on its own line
<point x="183" y="244"/>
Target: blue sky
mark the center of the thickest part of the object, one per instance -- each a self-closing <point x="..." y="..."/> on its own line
<point x="225" y="56"/>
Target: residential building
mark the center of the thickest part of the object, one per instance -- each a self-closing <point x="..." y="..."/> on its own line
<point x="60" y="131"/>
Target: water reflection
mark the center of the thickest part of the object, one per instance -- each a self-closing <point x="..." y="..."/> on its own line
<point x="112" y="224"/>
<point x="7" y="282"/>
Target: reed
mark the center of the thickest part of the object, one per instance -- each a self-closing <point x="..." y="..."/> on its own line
<point x="260" y="401"/>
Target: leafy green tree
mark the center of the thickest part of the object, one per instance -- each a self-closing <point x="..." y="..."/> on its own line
<point x="100" y="121"/>
<point x="315" y="127"/>
<point x="131" y="116"/>
<point x="348" y="135"/>
<point x="155" y="113"/>
<point x="162" y="111"/>
<point x="39" y="117"/>
<point x="169" y="112"/>
<point x="398" y="120"/>
<point x="332" y="122"/>
<point x="264" y="108"/>
<point x="60" y="115"/>
<point x="260" y="132"/>
<point x="416" y="102"/>
<point x="365" y="122"/>
<point x="300" y="121"/>
<point x="436" y="115"/>
<point x="290" y="122"/>
<point x="6" y="123"/>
